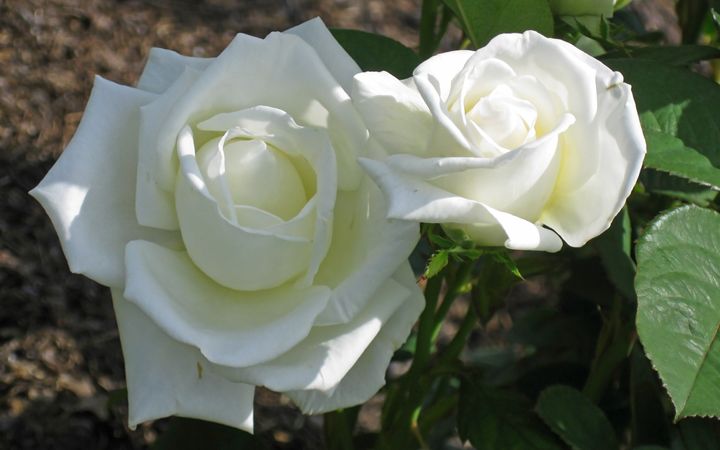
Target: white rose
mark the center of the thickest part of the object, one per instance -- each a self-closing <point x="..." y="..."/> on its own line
<point x="525" y="132"/>
<point x="222" y="203"/>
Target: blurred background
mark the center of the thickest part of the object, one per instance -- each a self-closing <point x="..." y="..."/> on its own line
<point x="61" y="372"/>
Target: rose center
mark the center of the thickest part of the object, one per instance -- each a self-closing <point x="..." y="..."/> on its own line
<point x="505" y="118"/>
<point x="258" y="175"/>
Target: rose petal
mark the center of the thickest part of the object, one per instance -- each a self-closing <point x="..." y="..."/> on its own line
<point x="154" y="205"/>
<point x="444" y="67"/>
<point x="366" y="247"/>
<point x="165" y="377"/>
<point x="336" y="59"/>
<point x="410" y="198"/>
<point x="559" y="66"/>
<point x="322" y="359"/>
<point x="620" y="145"/>
<point x="573" y="77"/>
<point x="164" y="67"/>
<point x="549" y="107"/>
<point x="367" y="376"/>
<point x="231" y="328"/>
<point x="477" y="81"/>
<point x="88" y="193"/>
<point x="272" y="125"/>
<point x="394" y="112"/>
<point x="518" y="182"/>
<point x="446" y="137"/>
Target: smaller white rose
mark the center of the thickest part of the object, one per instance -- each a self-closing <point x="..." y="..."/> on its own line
<point x="523" y="134"/>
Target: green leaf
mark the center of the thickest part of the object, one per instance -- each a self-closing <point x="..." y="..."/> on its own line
<point x="441" y="241"/>
<point x="483" y="20"/>
<point x="581" y="424"/>
<point x="668" y="154"/>
<point x="675" y="101"/>
<point x="193" y="434"/>
<point x="497" y="276"/>
<point x="679" y="55"/>
<point x="678" y="289"/>
<point x="437" y="262"/>
<point x="614" y="249"/>
<point x="679" y="103"/>
<point x="503" y="258"/>
<point x="676" y="187"/>
<point x="496" y="419"/>
<point x="376" y="52"/>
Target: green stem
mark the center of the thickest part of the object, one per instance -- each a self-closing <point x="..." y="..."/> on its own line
<point x="424" y="334"/>
<point x="396" y="402"/>
<point x="338" y="429"/>
<point x="428" y="19"/>
<point x="405" y="396"/>
<point x="415" y="427"/>
<point x="455" y="347"/>
<point x="454" y="289"/>
<point x="441" y="409"/>
<point x="446" y="17"/>
<point x="614" y="344"/>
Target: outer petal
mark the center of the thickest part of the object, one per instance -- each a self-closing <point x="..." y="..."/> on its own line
<point x="434" y="79"/>
<point x="366" y="247"/>
<point x="336" y="59"/>
<point x="87" y="194"/>
<point x="394" y="112"/>
<point x="368" y="374"/>
<point x="155" y="206"/>
<point x="231" y="328"/>
<point x="444" y="67"/>
<point x="322" y="359"/>
<point x="446" y="138"/>
<point x="412" y="199"/>
<point x="164" y="67"/>
<point x="620" y="144"/>
<point x="165" y="377"/>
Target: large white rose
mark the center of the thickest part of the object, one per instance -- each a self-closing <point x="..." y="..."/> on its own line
<point x="222" y="203"/>
<point x="524" y="133"/>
